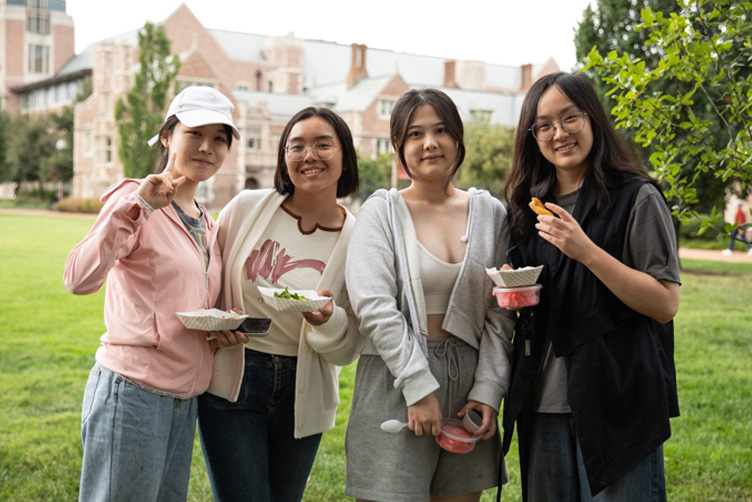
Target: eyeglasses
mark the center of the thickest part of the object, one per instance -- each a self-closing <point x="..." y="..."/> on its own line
<point x="545" y="131"/>
<point x="322" y="150"/>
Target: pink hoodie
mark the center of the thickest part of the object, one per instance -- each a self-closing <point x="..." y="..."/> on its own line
<point x="153" y="269"/>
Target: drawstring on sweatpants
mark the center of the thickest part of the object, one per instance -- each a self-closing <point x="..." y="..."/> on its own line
<point x="450" y="352"/>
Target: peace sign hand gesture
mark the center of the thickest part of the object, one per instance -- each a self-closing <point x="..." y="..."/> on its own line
<point x="158" y="190"/>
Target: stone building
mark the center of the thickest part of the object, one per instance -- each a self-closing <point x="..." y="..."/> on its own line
<point x="269" y="79"/>
<point x="36" y="40"/>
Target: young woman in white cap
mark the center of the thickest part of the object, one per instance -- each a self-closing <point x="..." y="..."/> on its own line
<point x="157" y="249"/>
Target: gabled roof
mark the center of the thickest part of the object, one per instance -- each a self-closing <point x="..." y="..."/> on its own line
<point x="360" y="96"/>
<point x="280" y="106"/>
<point x="240" y="46"/>
<point x="325" y="74"/>
<point x="504" y="107"/>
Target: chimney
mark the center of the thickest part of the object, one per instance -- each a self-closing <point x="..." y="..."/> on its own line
<point x="449" y="72"/>
<point x="357" y="64"/>
<point x="527" y="77"/>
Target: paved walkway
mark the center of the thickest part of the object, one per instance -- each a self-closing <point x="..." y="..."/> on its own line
<point x="739" y="256"/>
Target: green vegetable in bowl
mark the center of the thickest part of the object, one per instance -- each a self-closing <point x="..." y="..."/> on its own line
<point x="289" y="296"/>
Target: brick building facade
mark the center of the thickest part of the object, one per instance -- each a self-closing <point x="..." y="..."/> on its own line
<point x="36" y="40"/>
<point x="271" y="78"/>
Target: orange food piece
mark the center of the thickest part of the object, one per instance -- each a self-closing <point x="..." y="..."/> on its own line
<point x="537" y="206"/>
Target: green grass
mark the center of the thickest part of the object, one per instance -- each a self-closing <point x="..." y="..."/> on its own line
<point x="50" y="336"/>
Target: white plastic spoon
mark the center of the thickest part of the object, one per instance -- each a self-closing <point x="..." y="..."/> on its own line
<point x="393" y="426"/>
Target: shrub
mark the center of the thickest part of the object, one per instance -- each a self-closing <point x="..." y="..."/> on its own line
<point x="78" y="205"/>
<point x="689" y="229"/>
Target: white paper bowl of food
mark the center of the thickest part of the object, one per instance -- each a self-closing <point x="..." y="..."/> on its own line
<point x="211" y="319"/>
<point x="525" y="276"/>
<point x="293" y="300"/>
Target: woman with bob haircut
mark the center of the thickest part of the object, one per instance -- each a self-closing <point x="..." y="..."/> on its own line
<point x="271" y="398"/>
<point x="437" y="345"/>
<point x="156" y="248"/>
<point x="593" y="381"/>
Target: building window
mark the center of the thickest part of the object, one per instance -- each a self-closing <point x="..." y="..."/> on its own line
<point x="104" y="149"/>
<point x="481" y="115"/>
<point x="382" y="146"/>
<point x="38" y="17"/>
<point x="385" y="107"/>
<point x="253" y="139"/>
<point x="87" y="143"/>
<point x="39" y="59"/>
<point x="105" y="105"/>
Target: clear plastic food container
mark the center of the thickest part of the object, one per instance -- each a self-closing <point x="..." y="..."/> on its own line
<point x="453" y="437"/>
<point x="516" y="298"/>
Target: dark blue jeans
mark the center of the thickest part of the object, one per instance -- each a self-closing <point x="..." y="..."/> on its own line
<point x="557" y="471"/>
<point x="249" y="447"/>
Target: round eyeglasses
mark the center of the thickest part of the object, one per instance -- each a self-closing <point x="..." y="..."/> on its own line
<point x="572" y="123"/>
<point x="322" y="150"/>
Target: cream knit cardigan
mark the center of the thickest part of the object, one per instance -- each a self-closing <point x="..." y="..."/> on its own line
<point x="322" y="350"/>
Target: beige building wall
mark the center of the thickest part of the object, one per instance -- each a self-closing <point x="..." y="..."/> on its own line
<point x="279" y="72"/>
<point x="15" y="42"/>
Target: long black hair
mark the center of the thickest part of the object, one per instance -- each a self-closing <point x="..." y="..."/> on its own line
<point x="610" y="161"/>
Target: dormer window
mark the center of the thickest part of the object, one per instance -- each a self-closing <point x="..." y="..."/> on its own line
<point x="385" y="107"/>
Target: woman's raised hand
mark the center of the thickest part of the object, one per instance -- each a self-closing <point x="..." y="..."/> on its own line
<point x="158" y="190"/>
<point x="565" y="233"/>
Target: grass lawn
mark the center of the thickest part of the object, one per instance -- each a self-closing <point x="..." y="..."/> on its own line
<point x="50" y="336"/>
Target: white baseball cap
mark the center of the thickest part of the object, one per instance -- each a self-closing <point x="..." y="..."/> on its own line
<point x="199" y="105"/>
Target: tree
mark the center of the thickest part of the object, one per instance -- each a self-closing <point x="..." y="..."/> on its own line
<point x="6" y="172"/>
<point x="615" y="26"/>
<point x="488" y="158"/>
<point x="373" y="174"/>
<point x="692" y="105"/>
<point x="59" y="166"/>
<point x="140" y="115"/>
<point x="32" y="144"/>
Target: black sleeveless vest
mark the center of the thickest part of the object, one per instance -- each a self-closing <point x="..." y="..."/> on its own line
<point x="621" y="381"/>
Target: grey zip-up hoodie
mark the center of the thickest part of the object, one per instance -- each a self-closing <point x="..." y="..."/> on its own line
<point x="383" y="255"/>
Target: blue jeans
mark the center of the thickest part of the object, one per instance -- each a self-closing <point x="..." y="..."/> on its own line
<point x="556" y="471"/>
<point x="742" y="237"/>
<point x="249" y="446"/>
<point x="137" y="443"/>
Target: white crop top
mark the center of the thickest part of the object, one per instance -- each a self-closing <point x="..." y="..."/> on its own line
<point x="438" y="278"/>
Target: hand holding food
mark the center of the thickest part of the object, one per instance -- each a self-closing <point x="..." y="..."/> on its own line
<point x="537" y="206"/>
<point x="322" y="315"/>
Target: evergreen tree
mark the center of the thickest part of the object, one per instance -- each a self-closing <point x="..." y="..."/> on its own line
<point x="140" y="115"/>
